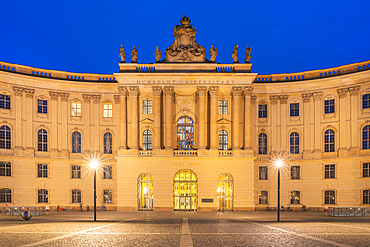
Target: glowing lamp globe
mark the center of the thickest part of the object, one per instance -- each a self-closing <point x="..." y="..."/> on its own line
<point x="278" y="163"/>
<point x="94" y="164"/>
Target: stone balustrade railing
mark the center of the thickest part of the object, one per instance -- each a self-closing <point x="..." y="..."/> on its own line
<point x="226" y="153"/>
<point x="145" y="152"/>
<point x="185" y="152"/>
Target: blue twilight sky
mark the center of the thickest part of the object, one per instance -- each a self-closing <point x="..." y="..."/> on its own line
<point x="85" y="36"/>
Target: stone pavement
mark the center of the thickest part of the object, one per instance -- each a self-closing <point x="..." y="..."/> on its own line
<point x="185" y="229"/>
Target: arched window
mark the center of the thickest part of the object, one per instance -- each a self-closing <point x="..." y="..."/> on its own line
<point x="145" y="191"/>
<point x="185" y="133"/>
<point x="42" y="140"/>
<point x="366" y="197"/>
<point x="76" y="142"/>
<point x="366" y="137"/>
<point x="5" y="195"/>
<point x="225" y="192"/>
<point x="76" y="196"/>
<point x="5" y="137"/>
<point x="222" y="140"/>
<point x="108" y="143"/>
<point x="329" y="142"/>
<point x="43" y="196"/>
<point x="262" y="143"/>
<point x="147" y="140"/>
<point x="294" y="143"/>
<point x="108" y="196"/>
<point x="185" y="190"/>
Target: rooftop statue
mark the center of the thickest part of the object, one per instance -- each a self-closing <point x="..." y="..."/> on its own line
<point x="185" y="49"/>
<point x="134" y="55"/>
<point x="122" y="54"/>
<point x="235" y="54"/>
<point x="213" y="53"/>
<point x="247" y="54"/>
<point x="157" y="54"/>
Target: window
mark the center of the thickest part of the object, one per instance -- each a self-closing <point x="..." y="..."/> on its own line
<point x="185" y="133"/>
<point x="43" y="196"/>
<point x="76" y="196"/>
<point x="76" y="109"/>
<point x="295" y="172"/>
<point x="330" y="171"/>
<point x="294" y="143"/>
<point x="366" y="137"/>
<point x="222" y="140"/>
<point x="42" y="106"/>
<point x="145" y="191"/>
<point x="263" y="170"/>
<point x="5" y="137"/>
<point x="4" y="101"/>
<point x="147" y="140"/>
<point x="366" y="170"/>
<point x="107" y="110"/>
<point x="108" y="143"/>
<point x="365" y="101"/>
<point x="262" y="143"/>
<point x="262" y="197"/>
<point x="262" y="111"/>
<point x="295" y="197"/>
<point x="5" y="169"/>
<point x="329" y="141"/>
<point x="366" y="197"/>
<point x="329" y="106"/>
<point x="42" y="170"/>
<point x="225" y="195"/>
<point x="107" y="174"/>
<point x="222" y="107"/>
<point x="294" y="109"/>
<point x="107" y="196"/>
<point x="42" y="140"/>
<point x="76" y="171"/>
<point x="147" y="107"/>
<point x="5" y="195"/>
<point x="76" y="142"/>
<point x="329" y="197"/>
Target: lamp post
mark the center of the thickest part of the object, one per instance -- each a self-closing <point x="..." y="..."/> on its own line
<point x="278" y="164"/>
<point x="94" y="164"/>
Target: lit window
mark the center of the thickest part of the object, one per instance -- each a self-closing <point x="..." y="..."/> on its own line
<point x="4" y="101"/>
<point x="262" y="111"/>
<point x="222" y="107"/>
<point x="107" y="172"/>
<point x="295" y="197"/>
<point x="294" y="109"/>
<point x="262" y="197"/>
<point x="329" y="106"/>
<point x="147" y="107"/>
<point x="145" y="191"/>
<point x="108" y="110"/>
<point x="294" y="143"/>
<point x="295" y="172"/>
<point x="330" y="171"/>
<point x="366" y="170"/>
<point x="42" y="106"/>
<point x="263" y="171"/>
<point x="76" y="171"/>
<point x="185" y="133"/>
<point x="225" y="192"/>
<point x="222" y="140"/>
<point x="5" y="137"/>
<point x="365" y="101"/>
<point x="262" y="143"/>
<point x="76" y="142"/>
<point x="42" y="170"/>
<point x="329" y="197"/>
<point x="108" y="196"/>
<point x="76" y="196"/>
<point x="329" y="142"/>
<point x="147" y="140"/>
<point x="366" y="197"/>
<point x="366" y="137"/>
<point x="76" y="109"/>
<point x="42" y="140"/>
<point x="43" y="196"/>
<point x="5" y="195"/>
<point x="5" y="169"/>
<point x="108" y="143"/>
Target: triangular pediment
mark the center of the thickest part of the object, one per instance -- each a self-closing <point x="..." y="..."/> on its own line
<point x="224" y="121"/>
<point x="147" y="121"/>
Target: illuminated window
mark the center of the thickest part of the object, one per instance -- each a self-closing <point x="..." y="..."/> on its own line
<point x="329" y="142"/>
<point x="329" y="197"/>
<point x="294" y="109"/>
<point x="5" y="169"/>
<point x="76" y="196"/>
<point x="365" y="101"/>
<point x="262" y="143"/>
<point x="76" y="109"/>
<point x="76" y="171"/>
<point x="330" y="171"/>
<point x="294" y="143"/>
<point x="76" y="142"/>
<point x="222" y="107"/>
<point x="108" y="110"/>
<point x="262" y="111"/>
<point x="147" y="107"/>
<point x="43" y="196"/>
<point x="185" y="133"/>
<point x="329" y="106"/>
<point x="145" y="192"/>
<point x="225" y="192"/>
<point x="107" y="172"/>
<point x="263" y="173"/>
<point x="42" y="170"/>
<point x="366" y="197"/>
<point x="42" y="140"/>
<point x="42" y="106"/>
<point x="5" y="137"/>
<point x="295" y="197"/>
<point x="262" y="197"/>
<point x="185" y="190"/>
<point x="295" y="172"/>
<point x="147" y="140"/>
<point x="4" y="101"/>
<point x="366" y="137"/>
<point x="222" y="140"/>
<point x="5" y="195"/>
<point x="108" y="143"/>
<point x="366" y="170"/>
<point x="107" y="195"/>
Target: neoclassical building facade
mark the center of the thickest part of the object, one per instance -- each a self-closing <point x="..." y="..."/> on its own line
<point x="185" y="135"/>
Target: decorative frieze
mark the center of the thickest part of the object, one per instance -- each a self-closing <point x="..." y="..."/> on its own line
<point x="96" y="98"/>
<point x="87" y="98"/>
<point x="117" y="99"/>
<point x="157" y="90"/>
<point x="18" y="91"/>
<point x="283" y="99"/>
<point x="53" y="95"/>
<point x="316" y="96"/>
<point x="202" y="90"/>
<point x="253" y="99"/>
<point x="29" y="92"/>
<point x="169" y="90"/>
<point x="122" y="90"/>
<point x="306" y="97"/>
<point x="353" y="91"/>
<point x="213" y="90"/>
<point x="247" y="90"/>
<point x="342" y="92"/>
<point x="274" y="99"/>
<point x="134" y="90"/>
<point x="64" y="96"/>
<point x="236" y="90"/>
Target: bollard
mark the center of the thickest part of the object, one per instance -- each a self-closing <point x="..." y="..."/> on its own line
<point x="26" y="215"/>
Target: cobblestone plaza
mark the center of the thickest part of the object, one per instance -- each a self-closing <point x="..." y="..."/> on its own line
<point x="185" y="229"/>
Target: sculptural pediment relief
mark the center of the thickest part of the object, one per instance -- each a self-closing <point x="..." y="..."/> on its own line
<point x="147" y="121"/>
<point x="223" y="121"/>
<point x="185" y="101"/>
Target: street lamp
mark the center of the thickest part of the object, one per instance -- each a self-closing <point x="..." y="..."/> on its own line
<point x="278" y="164"/>
<point x="94" y="164"/>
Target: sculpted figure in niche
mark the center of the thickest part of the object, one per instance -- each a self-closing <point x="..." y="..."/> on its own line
<point x="235" y="55"/>
<point x="247" y="54"/>
<point x="213" y="53"/>
<point x="157" y="54"/>
<point x="134" y="55"/>
<point x="122" y="54"/>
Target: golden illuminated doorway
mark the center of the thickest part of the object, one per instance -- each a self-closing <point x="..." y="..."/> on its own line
<point x="225" y="192"/>
<point x="145" y="191"/>
<point x="185" y="191"/>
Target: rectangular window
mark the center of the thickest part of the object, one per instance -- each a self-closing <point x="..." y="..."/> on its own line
<point x="4" y="101"/>
<point x="222" y="107"/>
<point x="76" y="171"/>
<point x="5" y="195"/>
<point x="295" y="197"/>
<point x="107" y="172"/>
<point x="330" y="197"/>
<point x="43" y="196"/>
<point x="329" y="106"/>
<point x="295" y="172"/>
<point x="42" y="170"/>
<point x="262" y="111"/>
<point x="76" y="196"/>
<point x="263" y="173"/>
<point x="76" y="109"/>
<point x="108" y="110"/>
<point x="147" y="107"/>
<point x="262" y="197"/>
<point x="5" y="169"/>
<point x="366" y="170"/>
<point x="365" y="101"/>
<point x="294" y="109"/>
<point x="330" y="171"/>
<point x="42" y="106"/>
<point x="108" y="196"/>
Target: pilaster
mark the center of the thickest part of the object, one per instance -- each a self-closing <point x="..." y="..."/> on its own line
<point x="157" y="92"/>
<point x="54" y="124"/>
<point x="18" y="93"/>
<point x="213" y="90"/>
<point x="306" y="125"/>
<point x="354" y="149"/>
<point x="64" y="124"/>
<point x="135" y="91"/>
<point x="88" y="115"/>
<point x="283" y="121"/>
<point x="273" y="118"/>
<point x="123" y="92"/>
<point x="202" y="91"/>
<point x="29" y="116"/>
<point x="247" y="118"/>
<point x="169" y="91"/>
<point x="342" y="94"/>
<point x="236" y="92"/>
<point x="317" y="152"/>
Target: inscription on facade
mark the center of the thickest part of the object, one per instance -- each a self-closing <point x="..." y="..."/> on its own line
<point x="185" y="82"/>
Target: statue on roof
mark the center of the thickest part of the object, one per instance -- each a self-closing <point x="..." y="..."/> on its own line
<point x="247" y="54"/>
<point x="122" y="54"/>
<point x="157" y="54"/>
<point x="185" y="49"/>
<point x="235" y="55"/>
<point x="213" y="53"/>
<point x="134" y="55"/>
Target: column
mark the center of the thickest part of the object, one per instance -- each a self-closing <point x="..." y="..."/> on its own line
<point x="236" y="93"/>
<point x="95" y="111"/>
<point x="64" y="123"/>
<point x="253" y="123"/>
<point x="202" y="90"/>
<point x="306" y="124"/>
<point x="274" y="132"/>
<point x="247" y="117"/>
<point x="213" y="90"/>
<point x="168" y="90"/>
<point x="122" y="90"/>
<point x="29" y="116"/>
<point x="157" y="92"/>
<point x="18" y="93"/>
<point x="318" y="137"/>
<point x="342" y="94"/>
<point x="283" y="119"/>
<point x="54" y="123"/>
<point x="134" y="90"/>
<point x="87" y="136"/>
<point x="353" y="91"/>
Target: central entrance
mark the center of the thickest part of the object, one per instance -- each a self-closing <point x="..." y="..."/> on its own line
<point x="185" y="190"/>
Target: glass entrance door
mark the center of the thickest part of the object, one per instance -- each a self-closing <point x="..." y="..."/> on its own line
<point x="225" y="192"/>
<point x="185" y="190"/>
